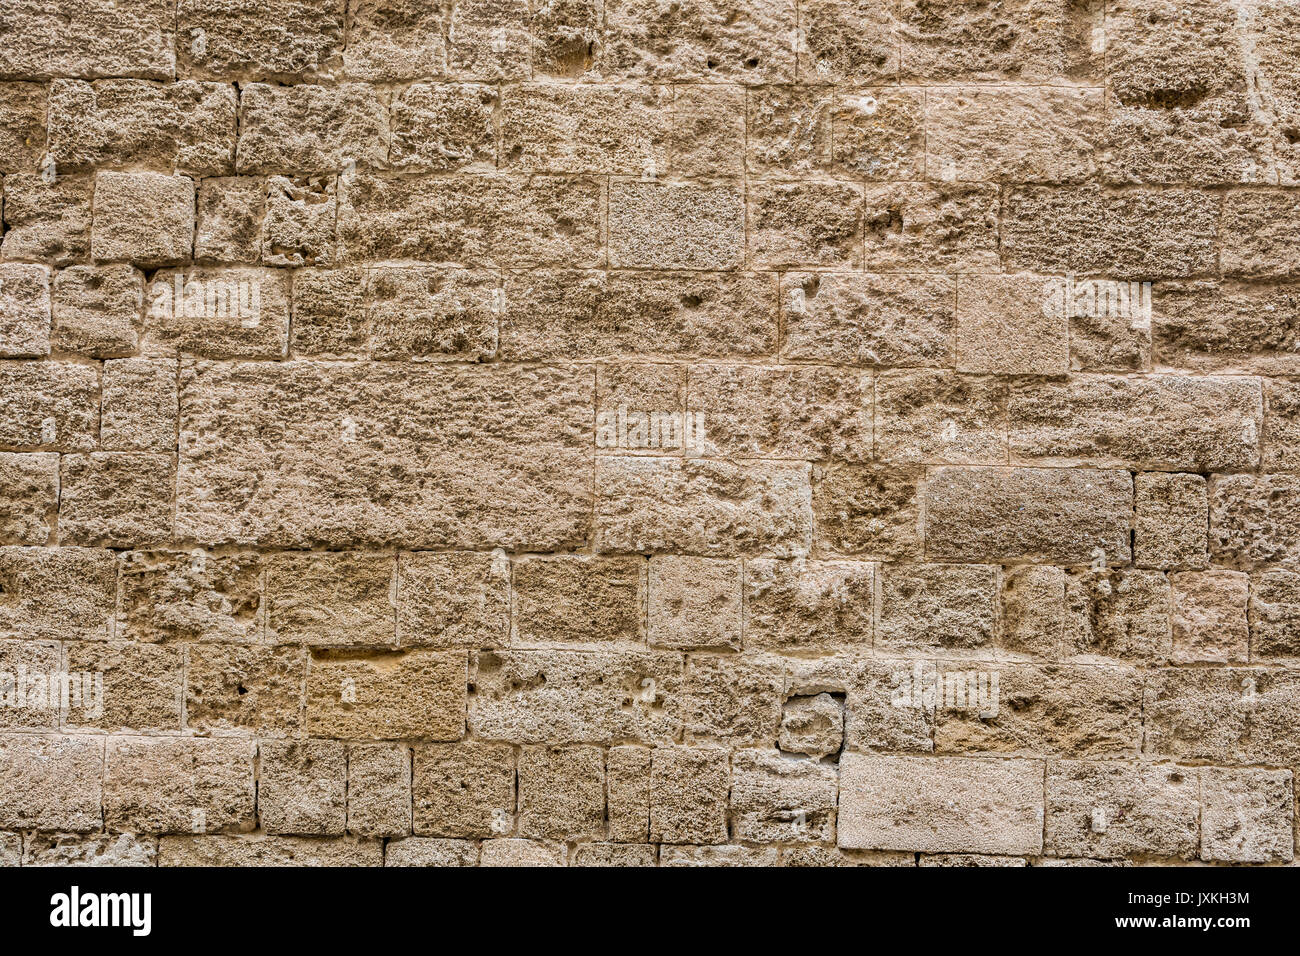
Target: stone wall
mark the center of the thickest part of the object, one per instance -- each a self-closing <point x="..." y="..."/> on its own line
<point x="643" y="432"/>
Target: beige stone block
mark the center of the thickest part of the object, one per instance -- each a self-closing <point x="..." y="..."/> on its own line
<point x="237" y="689"/>
<point x="332" y="598"/>
<point x="579" y="599"/>
<point x="695" y="603"/>
<point x="941" y="804"/>
<point x="51" y="782"/>
<point x="1109" y="809"/>
<point x="178" y="785"/>
<point x="688" y="795"/>
<point x="1209" y="616"/>
<point x="1051" y="515"/>
<point x="464" y="790"/>
<point x="562" y="793"/>
<point x="302" y="787"/>
<point x="452" y="599"/>
<point x="416" y="694"/>
<point x="538" y="696"/>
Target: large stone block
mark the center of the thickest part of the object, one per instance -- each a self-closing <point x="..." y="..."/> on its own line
<point x="941" y="804"/>
<point x="304" y="453"/>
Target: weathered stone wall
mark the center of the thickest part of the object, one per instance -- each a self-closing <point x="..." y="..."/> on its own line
<point x="702" y="432"/>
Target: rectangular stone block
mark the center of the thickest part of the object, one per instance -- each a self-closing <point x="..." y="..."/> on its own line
<point x="579" y="599"/>
<point x="97" y="310"/>
<point x="808" y="605"/>
<point x="229" y="219"/>
<point x="260" y="850"/>
<point x="848" y="42"/>
<point x="379" y="790"/>
<point x="25" y="310"/>
<point x="444" y="127"/>
<point x="1259" y="230"/>
<point x="776" y="798"/>
<point x="217" y="312"/>
<point x="688" y="795"/>
<point x="1134" y="235"/>
<point x="941" y="804"/>
<point x="117" y="499"/>
<point x="695" y="603"/>
<point x="702" y="507"/>
<point x="1122" y="613"/>
<point x="139" y="406"/>
<point x="572" y="315"/>
<point x="1209" y="619"/>
<point x="299" y="221"/>
<point x="304" y="453"/>
<point x="680" y="225"/>
<point x="331" y="598"/>
<point x="1171" y="521"/>
<point x="805" y="225"/>
<point x="708" y="137"/>
<point x="1173" y="423"/>
<point x="283" y="40"/>
<point x="49" y="406"/>
<point x="98" y="38"/>
<point x="627" y="805"/>
<point x="430" y="851"/>
<point x="174" y="596"/>
<point x="783" y="412"/>
<point x="883" y="320"/>
<point x="1033" y="610"/>
<point x="1035" y="710"/>
<point x="559" y="128"/>
<point x="464" y="790"/>
<point x="1012" y="325"/>
<point x="1254" y="519"/>
<point x="924" y="227"/>
<point x="1025" y="41"/>
<point x="29" y="486"/>
<point x="453" y="599"/>
<point x="1041" y="134"/>
<point x="536" y="696"/>
<point x="50" y="782"/>
<point x="310" y="128"/>
<point x="487" y="221"/>
<point x="868" y="511"/>
<point x="178" y="785"/>
<point x="98" y="849"/>
<point x="22" y="144"/>
<point x="752" y="42"/>
<point x="937" y="417"/>
<point x="1050" y="515"/>
<point x="391" y="40"/>
<point x="145" y="218"/>
<point x="562" y="793"/>
<point x="1247" y="815"/>
<point x="1274" y="614"/>
<point x="1228" y="326"/>
<point x="734" y="700"/>
<point x="233" y="689"/>
<point x="937" y="606"/>
<point x="417" y="694"/>
<point x="183" y="127"/>
<point x="302" y="787"/>
<point x="47" y="221"/>
<point x="31" y="687"/>
<point x="1106" y="810"/>
<point x="789" y="129"/>
<point x="489" y="40"/>
<point x="140" y="686"/>
<point x="1223" y="714"/>
<point x="57" y="593"/>
<point x="879" y="133"/>
<point x="396" y="312"/>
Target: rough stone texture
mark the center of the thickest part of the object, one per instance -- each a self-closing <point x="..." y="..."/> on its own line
<point x="1103" y="810"/>
<point x="646" y="432"/>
